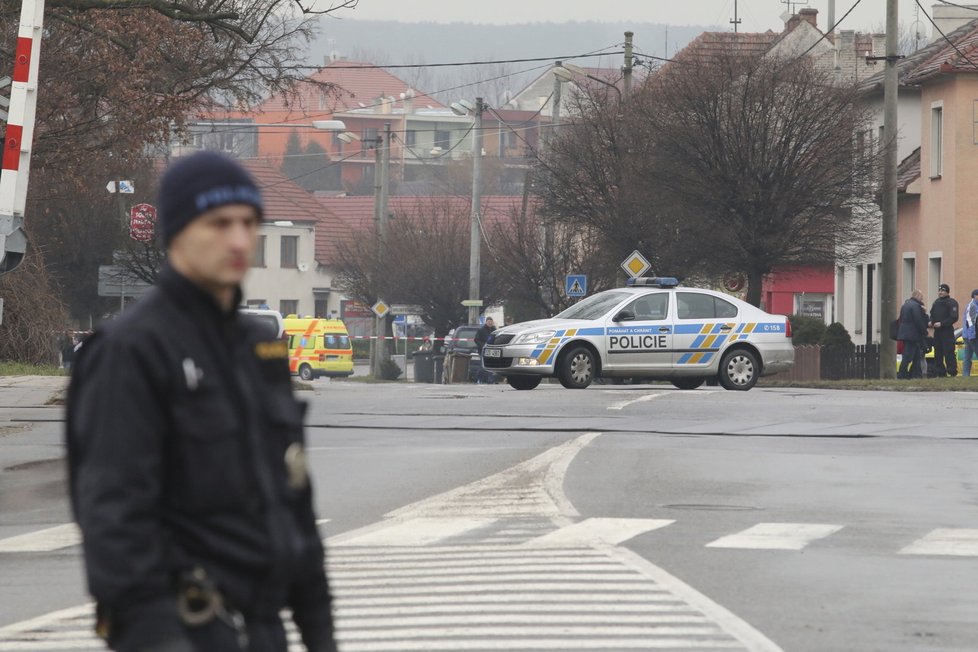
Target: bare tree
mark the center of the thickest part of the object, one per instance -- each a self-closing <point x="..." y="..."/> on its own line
<point x="33" y="314"/>
<point x="757" y="156"/>
<point x="424" y="262"/>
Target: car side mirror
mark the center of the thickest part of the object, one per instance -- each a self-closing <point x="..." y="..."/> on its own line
<point x="624" y="315"/>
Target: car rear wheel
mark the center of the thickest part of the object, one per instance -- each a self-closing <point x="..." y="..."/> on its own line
<point x="576" y="369"/>
<point x="688" y="383"/>
<point x="739" y="370"/>
<point x="305" y="372"/>
<point x="523" y="382"/>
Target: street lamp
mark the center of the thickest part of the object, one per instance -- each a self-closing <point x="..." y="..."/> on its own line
<point x="565" y="72"/>
<point x="463" y="107"/>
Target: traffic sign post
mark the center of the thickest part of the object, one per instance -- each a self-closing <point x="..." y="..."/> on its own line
<point x="635" y="265"/>
<point x="576" y="285"/>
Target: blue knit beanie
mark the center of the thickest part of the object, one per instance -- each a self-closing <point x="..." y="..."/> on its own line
<point x="195" y="184"/>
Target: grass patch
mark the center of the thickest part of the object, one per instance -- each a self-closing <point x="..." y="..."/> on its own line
<point x="22" y="369"/>
<point x="956" y="384"/>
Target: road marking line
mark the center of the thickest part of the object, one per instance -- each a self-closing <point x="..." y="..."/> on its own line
<point x="385" y="619"/>
<point x="52" y="538"/>
<point x="514" y="588"/>
<point x="418" y="531"/>
<point x="776" y="536"/>
<point x="621" y="405"/>
<point x="959" y="542"/>
<point x="541" y="644"/>
<point x="612" y="531"/>
<point x="640" y="610"/>
<point x="434" y="568"/>
<point x="482" y="632"/>
<point x="427" y="579"/>
<point x="509" y="598"/>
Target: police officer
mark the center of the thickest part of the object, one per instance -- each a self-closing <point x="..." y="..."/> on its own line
<point x="185" y="447"/>
<point x="943" y="315"/>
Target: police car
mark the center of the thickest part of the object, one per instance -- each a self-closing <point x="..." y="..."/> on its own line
<point x="651" y="329"/>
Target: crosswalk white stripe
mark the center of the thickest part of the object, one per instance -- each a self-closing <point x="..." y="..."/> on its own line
<point x="490" y="578"/>
<point x="608" y="597"/>
<point x="536" y="630"/>
<point x="419" y="531"/>
<point x="452" y="567"/>
<point x="644" y="610"/>
<point x="514" y="588"/>
<point x="564" y="644"/>
<point x="386" y="620"/>
<point x="47" y="540"/>
<point x="44" y="645"/>
<point x="612" y="531"/>
<point x="776" y="536"/>
<point x="958" y="542"/>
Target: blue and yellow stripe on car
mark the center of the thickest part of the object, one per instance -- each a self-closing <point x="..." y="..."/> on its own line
<point x="546" y="351"/>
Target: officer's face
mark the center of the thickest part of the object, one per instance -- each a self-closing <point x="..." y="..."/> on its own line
<point x="216" y="249"/>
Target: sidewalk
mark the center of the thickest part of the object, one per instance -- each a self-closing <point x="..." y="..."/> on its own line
<point x="30" y="391"/>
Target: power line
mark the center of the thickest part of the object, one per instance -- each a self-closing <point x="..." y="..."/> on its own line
<point x="376" y="66"/>
<point x="952" y="4"/>
<point x="944" y="36"/>
<point x="831" y="29"/>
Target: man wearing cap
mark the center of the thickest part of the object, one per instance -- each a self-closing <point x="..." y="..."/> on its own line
<point x="187" y="470"/>
<point x="969" y="334"/>
<point x="943" y="315"/>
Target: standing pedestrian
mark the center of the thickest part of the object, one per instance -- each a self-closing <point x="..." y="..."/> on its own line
<point x="968" y="332"/>
<point x="913" y="333"/>
<point x="943" y="316"/>
<point x="187" y="470"/>
<point x="481" y="337"/>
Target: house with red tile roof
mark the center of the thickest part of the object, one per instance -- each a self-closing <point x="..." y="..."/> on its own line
<point x="937" y="234"/>
<point x="286" y="274"/>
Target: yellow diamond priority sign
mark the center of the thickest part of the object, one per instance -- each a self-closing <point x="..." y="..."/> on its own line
<point x="635" y="265"/>
<point x="380" y="309"/>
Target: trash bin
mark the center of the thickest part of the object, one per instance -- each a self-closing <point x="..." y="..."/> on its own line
<point x="458" y="368"/>
<point x="424" y="367"/>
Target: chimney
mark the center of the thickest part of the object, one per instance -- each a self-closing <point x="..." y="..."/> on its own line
<point x="792" y="23"/>
<point x="810" y="15"/>
<point x="949" y="18"/>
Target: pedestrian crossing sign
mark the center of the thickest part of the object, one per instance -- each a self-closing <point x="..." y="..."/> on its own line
<point x="635" y="265"/>
<point x="576" y="285"/>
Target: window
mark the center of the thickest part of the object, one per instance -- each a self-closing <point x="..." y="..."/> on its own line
<point x="860" y="293"/>
<point x="909" y="275"/>
<point x="321" y="307"/>
<point x="934" y="275"/>
<point x="936" y="141"/>
<point x="290" y="252"/>
<point x="443" y="139"/>
<point x="368" y="138"/>
<point x="288" y="307"/>
<point x="507" y="139"/>
<point x="411" y="138"/>
<point x="840" y="293"/>
<point x="259" y="258"/>
<point x="650" y="307"/>
<point x="693" y="305"/>
<point x="337" y="142"/>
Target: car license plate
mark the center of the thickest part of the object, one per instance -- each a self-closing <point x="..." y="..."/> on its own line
<point x="492" y="353"/>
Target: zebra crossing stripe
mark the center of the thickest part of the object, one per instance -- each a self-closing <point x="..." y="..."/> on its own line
<point x="776" y="536"/>
<point x="958" y="542"/>
<point x="611" y="531"/>
<point x="47" y="540"/>
<point x="418" y="531"/>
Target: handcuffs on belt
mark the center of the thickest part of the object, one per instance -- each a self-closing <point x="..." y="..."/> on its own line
<point x="199" y="602"/>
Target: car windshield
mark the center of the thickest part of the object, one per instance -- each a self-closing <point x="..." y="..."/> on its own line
<point x="593" y="307"/>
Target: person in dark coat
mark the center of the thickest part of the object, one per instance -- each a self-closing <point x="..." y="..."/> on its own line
<point x="187" y="468"/>
<point x="943" y="316"/>
<point x="913" y="333"/>
<point x="481" y="337"/>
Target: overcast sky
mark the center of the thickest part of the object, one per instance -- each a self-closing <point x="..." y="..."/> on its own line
<point x="757" y="15"/>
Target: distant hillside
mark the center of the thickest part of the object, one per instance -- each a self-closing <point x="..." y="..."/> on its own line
<point x="388" y="42"/>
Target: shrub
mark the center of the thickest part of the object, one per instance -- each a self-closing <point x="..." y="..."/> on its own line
<point x="389" y="370"/>
<point x="836" y="336"/>
<point x="806" y="330"/>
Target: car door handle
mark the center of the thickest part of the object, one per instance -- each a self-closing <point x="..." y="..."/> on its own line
<point x="663" y="329"/>
<point x="726" y="329"/>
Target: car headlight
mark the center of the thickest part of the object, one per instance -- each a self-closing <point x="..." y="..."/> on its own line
<point x="535" y="338"/>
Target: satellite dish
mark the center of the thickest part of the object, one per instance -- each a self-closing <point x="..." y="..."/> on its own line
<point x="303" y="267"/>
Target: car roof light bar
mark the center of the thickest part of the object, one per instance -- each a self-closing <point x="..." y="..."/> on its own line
<point x="653" y="281"/>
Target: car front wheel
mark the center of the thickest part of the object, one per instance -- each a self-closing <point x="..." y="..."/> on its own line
<point x="305" y="372"/>
<point x="523" y="382"/>
<point x="739" y="370"/>
<point x="576" y="369"/>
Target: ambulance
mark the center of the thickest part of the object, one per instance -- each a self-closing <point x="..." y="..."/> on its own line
<point x="318" y="347"/>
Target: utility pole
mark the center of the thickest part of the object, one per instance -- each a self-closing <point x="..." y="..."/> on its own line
<point x="475" y="243"/>
<point x="888" y="288"/>
<point x="629" y="60"/>
<point x="736" y="20"/>
<point x="382" y="160"/>
<point x="555" y="112"/>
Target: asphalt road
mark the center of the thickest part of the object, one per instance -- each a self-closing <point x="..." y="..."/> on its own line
<point x="619" y="517"/>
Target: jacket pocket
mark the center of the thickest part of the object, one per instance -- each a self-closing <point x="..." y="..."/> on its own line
<point x="209" y="457"/>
